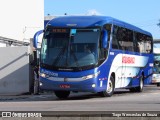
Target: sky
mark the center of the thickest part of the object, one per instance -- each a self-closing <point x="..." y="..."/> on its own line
<point x="141" y="13"/>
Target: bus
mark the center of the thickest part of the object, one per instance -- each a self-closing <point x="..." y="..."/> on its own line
<point x="156" y="69"/>
<point x="94" y="54"/>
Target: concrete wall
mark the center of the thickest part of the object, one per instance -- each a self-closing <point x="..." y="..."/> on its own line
<point x="14" y="70"/>
<point x="21" y="19"/>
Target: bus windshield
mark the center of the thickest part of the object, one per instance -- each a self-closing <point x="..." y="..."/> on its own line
<point x="156" y="63"/>
<point x="68" y="49"/>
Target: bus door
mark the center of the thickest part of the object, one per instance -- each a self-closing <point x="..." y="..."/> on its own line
<point x="120" y="69"/>
<point x="118" y="64"/>
<point x="128" y="59"/>
<point x="127" y="72"/>
<point x="125" y="46"/>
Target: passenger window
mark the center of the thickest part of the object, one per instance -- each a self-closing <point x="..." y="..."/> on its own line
<point x="127" y="40"/>
<point x="115" y="44"/>
<point x="144" y="43"/>
<point x="122" y="39"/>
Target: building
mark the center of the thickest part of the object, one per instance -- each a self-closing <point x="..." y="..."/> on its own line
<point x="20" y="20"/>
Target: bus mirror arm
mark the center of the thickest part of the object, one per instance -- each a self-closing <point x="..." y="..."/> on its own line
<point x="35" y="38"/>
<point x="104" y="38"/>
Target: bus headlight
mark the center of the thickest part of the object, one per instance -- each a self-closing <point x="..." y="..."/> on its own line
<point x="40" y="84"/>
<point x="91" y="76"/>
<point x="43" y="75"/>
<point x="93" y="85"/>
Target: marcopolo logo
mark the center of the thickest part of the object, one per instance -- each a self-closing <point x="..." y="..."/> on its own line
<point x="128" y="60"/>
<point x="49" y="73"/>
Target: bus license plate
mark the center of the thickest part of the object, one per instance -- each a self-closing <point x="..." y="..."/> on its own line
<point x="65" y="86"/>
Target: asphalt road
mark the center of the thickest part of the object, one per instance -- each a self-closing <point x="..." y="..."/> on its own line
<point x="122" y="100"/>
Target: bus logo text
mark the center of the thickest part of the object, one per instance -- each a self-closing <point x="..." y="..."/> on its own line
<point x="128" y="60"/>
<point x="49" y="73"/>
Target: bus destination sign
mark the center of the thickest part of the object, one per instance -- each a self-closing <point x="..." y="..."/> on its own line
<point x="57" y="30"/>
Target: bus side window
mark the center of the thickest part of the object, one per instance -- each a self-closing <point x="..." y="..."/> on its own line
<point x="148" y="44"/>
<point x="144" y="43"/>
<point x="116" y="37"/>
<point x="125" y="39"/>
<point x="141" y="41"/>
<point x="128" y="39"/>
<point x="120" y="37"/>
<point x="135" y="43"/>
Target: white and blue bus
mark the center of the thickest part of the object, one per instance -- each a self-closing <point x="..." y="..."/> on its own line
<point x="94" y="54"/>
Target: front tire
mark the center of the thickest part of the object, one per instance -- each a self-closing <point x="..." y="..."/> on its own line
<point x="110" y="89"/>
<point x="62" y="94"/>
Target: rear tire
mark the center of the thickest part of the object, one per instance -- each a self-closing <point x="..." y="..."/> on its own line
<point x="141" y="84"/>
<point x="110" y="90"/>
<point x="140" y="87"/>
<point x="62" y="94"/>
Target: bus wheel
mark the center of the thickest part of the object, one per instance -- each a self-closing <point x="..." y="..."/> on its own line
<point x="141" y="84"/>
<point x="110" y="90"/>
<point x="62" y="94"/>
<point x="140" y="87"/>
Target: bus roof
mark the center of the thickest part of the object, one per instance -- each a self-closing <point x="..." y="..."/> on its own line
<point x="91" y="21"/>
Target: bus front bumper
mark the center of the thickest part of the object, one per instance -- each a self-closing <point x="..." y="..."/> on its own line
<point x="89" y="85"/>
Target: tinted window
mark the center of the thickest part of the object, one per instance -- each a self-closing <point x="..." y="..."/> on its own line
<point x="122" y="39"/>
<point x="144" y="43"/>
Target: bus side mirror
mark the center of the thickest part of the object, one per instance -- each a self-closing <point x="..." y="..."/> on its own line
<point x="104" y="39"/>
<point x="35" y="38"/>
